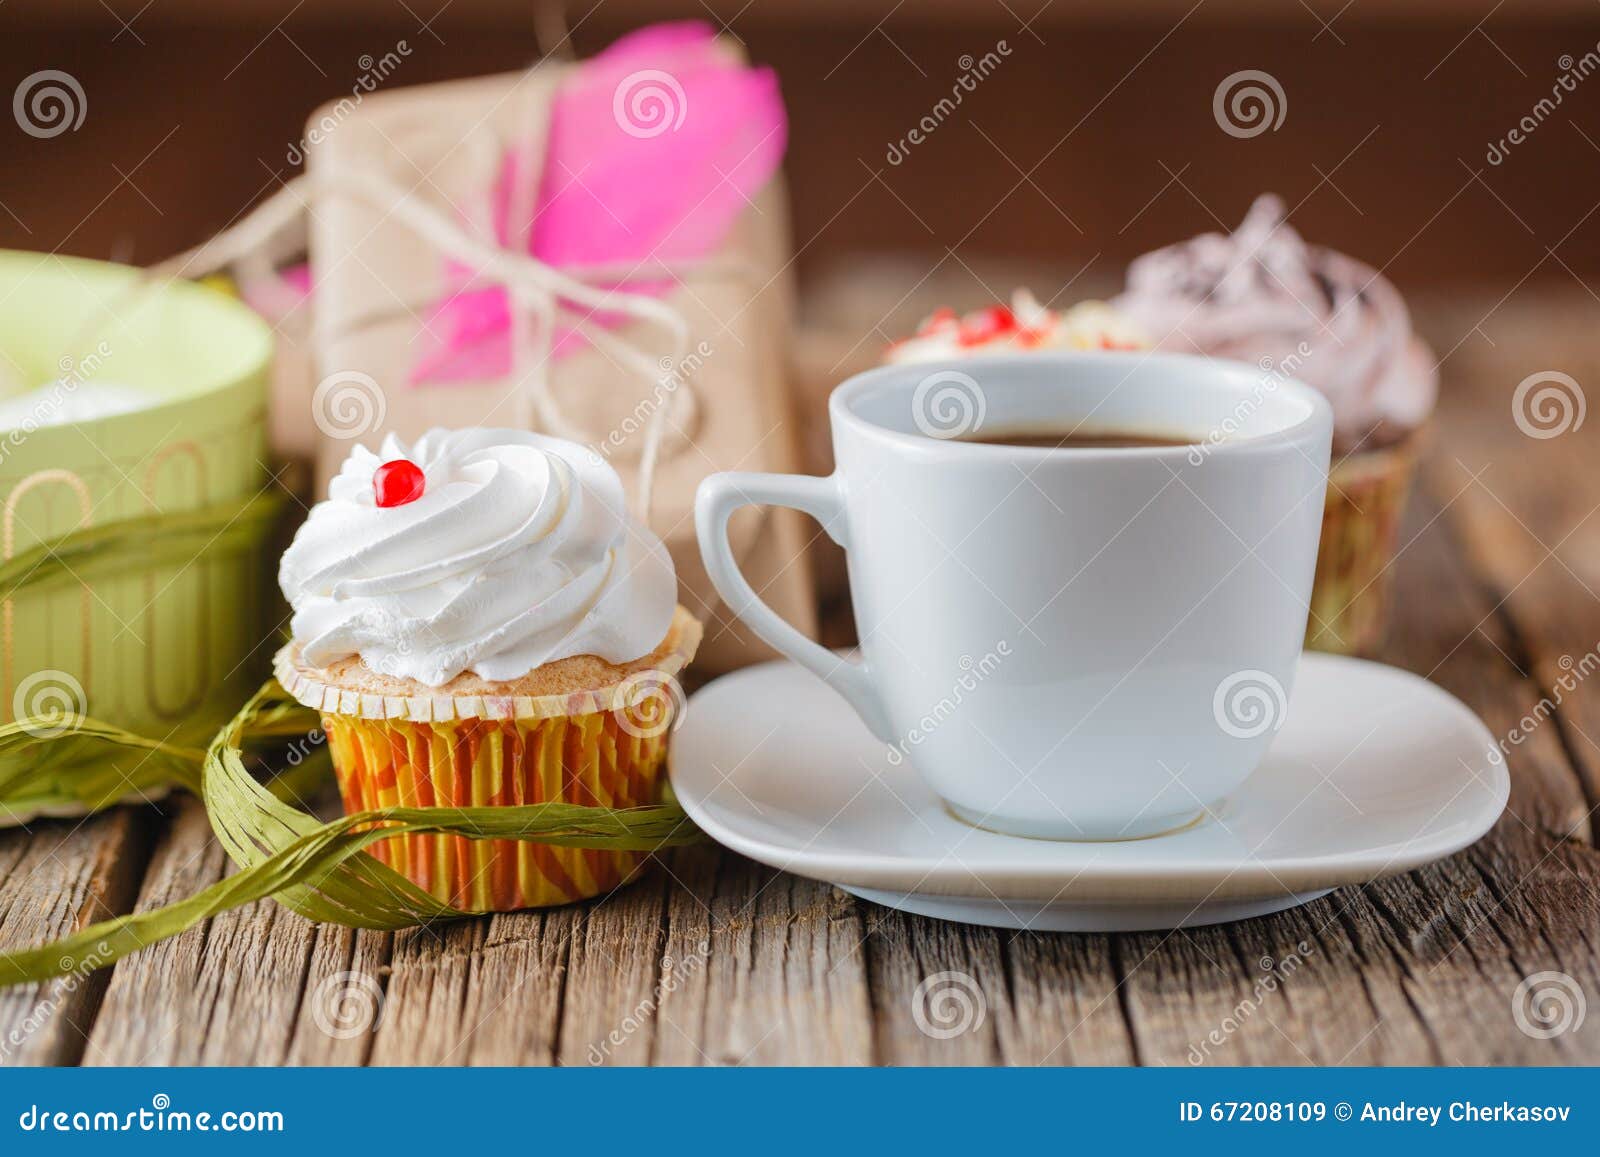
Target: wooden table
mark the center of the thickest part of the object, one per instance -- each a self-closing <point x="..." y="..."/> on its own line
<point x="715" y="960"/>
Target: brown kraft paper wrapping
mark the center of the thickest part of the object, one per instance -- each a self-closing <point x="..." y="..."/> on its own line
<point x="376" y="281"/>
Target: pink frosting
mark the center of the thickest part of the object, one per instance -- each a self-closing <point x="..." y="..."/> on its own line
<point x="1262" y="295"/>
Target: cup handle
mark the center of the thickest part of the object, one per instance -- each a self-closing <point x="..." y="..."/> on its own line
<point x="718" y="497"/>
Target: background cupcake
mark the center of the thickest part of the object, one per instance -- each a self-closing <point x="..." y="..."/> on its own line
<point x="481" y="623"/>
<point x="1026" y="326"/>
<point x="1262" y="295"/>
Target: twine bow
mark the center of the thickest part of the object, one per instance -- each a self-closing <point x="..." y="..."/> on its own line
<point x="539" y="293"/>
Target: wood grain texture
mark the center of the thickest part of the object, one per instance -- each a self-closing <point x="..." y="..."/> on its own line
<point x="221" y="993"/>
<point x="482" y="991"/>
<point x="56" y="877"/>
<point x="714" y="960"/>
<point x="785" y="981"/>
<point x="1375" y="974"/>
<point x="1529" y="507"/>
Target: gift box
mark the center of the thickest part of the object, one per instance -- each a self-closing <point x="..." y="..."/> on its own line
<point x="595" y="250"/>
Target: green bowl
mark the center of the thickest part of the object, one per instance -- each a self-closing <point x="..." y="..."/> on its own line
<point x="153" y="651"/>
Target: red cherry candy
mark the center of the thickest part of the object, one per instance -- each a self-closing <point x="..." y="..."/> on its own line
<point x="942" y="318"/>
<point x="397" y="483"/>
<point x="985" y="325"/>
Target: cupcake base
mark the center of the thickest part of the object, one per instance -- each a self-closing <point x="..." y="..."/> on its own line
<point x="583" y="759"/>
<point x="577" y="730"/>
<point x="1351" y="597"/>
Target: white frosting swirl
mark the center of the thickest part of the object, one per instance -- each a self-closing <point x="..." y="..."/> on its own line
<point x="519" y="552"/>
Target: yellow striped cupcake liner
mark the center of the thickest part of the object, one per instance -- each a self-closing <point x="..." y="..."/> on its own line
<point x="1353" y="591"/>
<point x="598" y="747"/>
<point x="593" y="759"/>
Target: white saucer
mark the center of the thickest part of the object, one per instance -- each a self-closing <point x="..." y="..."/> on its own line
<point x="1375" y="771"/>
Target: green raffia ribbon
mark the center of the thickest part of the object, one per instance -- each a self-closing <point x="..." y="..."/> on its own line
<point x="42" y="772"/>
<point x="137" y="544"/>
<point x="311" y="867"/>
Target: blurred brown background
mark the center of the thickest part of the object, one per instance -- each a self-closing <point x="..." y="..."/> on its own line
<point x="1093" y="140"/>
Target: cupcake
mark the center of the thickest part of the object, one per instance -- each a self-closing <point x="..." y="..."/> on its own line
<point x="1262" y="295"/>
<point x="481" y="623"/>
<point x="1025" y="326"/>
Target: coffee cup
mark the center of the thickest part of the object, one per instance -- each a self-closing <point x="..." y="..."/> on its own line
<point x="1091" y="640"/>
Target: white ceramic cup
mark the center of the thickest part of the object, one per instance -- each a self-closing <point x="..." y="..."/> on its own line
<point x="1073" y="643"/>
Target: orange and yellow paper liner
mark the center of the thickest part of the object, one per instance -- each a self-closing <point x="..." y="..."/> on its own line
<point x="1350" y="599"/>
<point x="588" y="759"/>
<point x="603" y="746"/>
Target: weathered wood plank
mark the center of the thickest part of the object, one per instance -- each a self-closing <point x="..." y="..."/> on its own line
<point x="619" y="971"/>
<point x="784" y="982"/>
<point x="708" y="960"/>
<point x="342" y="998"/>
<point x="1529" y="506"/>
<point x="480" y="991"/>
<point x="1066" y="1002"/>
<point x="499" y="990"/>
<point x="56" y="877"/>
<point x="261" y="985"/>
<point x="940" y="994"/>
<point x="1421" y="968"/>
<point x="684" y="1003"/>
<point x="226" y="992"/>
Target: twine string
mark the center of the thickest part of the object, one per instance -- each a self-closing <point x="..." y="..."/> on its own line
<point x="538" y="293"/>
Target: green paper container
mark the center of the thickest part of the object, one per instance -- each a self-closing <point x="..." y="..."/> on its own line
<point x="157" y="651"/>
